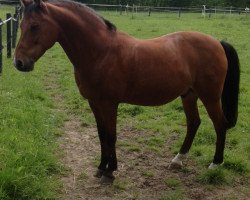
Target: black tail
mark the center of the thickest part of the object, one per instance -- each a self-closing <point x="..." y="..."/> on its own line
<point x="230" y="93"/>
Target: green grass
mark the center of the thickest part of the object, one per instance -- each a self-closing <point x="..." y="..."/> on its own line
<point x="213" y="177"/>
<point x="27" y="142"/>
<point x="148" y="174"/>
<point x="6" y="9"/>
<point x="29" y="122"/>
<point x="177" y="194"/>
<point x="120" y="184"/>
<point x="236" y="165"/>
<point x="173" y="183"/>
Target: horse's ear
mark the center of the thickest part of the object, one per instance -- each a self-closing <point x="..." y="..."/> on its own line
<point x="26" y="2"/>
<point x="41" y="5"/>
<point x="39" y="2"/>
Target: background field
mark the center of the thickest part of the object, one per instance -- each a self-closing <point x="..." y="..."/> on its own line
<point x="32" y="120"/>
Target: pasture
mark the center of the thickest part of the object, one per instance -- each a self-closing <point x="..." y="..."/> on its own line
<point x="49" y="146"/>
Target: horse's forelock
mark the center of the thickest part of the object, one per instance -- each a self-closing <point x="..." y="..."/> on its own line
<point x="33" y="7"/>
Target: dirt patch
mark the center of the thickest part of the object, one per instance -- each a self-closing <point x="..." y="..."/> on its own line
<point x="141" y="175"/>
<point x="80" y="147"/>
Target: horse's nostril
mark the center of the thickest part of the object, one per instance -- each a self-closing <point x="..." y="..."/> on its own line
<point x="19" y="64"/>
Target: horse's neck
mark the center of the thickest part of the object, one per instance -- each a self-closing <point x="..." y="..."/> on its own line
<point x="83" y="41"/>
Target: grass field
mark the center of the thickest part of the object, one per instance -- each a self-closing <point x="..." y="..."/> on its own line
<point x="28" y="126"/>
<point x="30" y="122"/>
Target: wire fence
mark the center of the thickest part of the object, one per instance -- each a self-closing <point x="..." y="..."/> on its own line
<point x="203" y="10"/>
<point x="9" y="2"/>
<point x="12" y="23"/>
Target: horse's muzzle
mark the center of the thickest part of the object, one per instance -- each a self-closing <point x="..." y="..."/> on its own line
<point x="24" y="66"/>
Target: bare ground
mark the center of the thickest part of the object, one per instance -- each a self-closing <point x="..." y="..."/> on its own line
<point x="142" y="175"/>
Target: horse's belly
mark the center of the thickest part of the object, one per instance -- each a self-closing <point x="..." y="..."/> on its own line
<point x="153" y="97"/>
<point x="158" y="85"/>
<point x="149" y="101"/>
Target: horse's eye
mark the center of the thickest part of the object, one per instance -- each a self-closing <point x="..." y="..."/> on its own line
<point x="34" y="27"/>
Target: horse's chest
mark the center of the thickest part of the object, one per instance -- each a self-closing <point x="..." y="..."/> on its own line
<point x="90" y="87"/>
<point x="83" y="86"/>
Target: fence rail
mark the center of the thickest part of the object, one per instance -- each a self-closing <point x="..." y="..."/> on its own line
<point x="9" y="2"/>
<point x="12" y="24"/>
<point x="204" y="10"/>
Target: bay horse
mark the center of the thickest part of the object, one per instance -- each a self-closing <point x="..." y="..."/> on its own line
<point x="112" y="67"/>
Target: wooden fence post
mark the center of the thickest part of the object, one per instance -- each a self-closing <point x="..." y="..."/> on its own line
<point x="210" y="12"/>
<point x="120" y="9"/>
<point x="133" y="10"/>
<point x="8" y="15"/>
<point x="1" y="48"/>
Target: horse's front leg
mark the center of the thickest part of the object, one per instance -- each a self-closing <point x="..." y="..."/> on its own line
<point x="106" y="114"/>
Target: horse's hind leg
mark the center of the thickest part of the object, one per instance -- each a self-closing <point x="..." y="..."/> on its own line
<point x="189" y="102"/>
<point x="216" y="114"/>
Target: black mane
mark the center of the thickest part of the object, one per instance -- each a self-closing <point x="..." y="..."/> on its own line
<point x="109" y="25"/>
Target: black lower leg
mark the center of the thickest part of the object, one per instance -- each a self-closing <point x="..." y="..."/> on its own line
<point x="103" y="163"/>
<point x="220" y="145"/>
<point x="191" y="131"/>
<point x="193" y="120"/>
<point x="112" y="160"/>
<point x="104" y="157"/>
<point x="112" y="165"/>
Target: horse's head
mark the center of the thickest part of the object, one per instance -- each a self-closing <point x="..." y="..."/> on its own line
<point x="39" y="32"/>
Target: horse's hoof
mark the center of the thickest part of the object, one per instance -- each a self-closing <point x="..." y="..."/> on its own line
<point x="175" y="165"/>
<point x="215" y="166"/>
<point x="99" y="173"/>
<point x="107" y="180"/>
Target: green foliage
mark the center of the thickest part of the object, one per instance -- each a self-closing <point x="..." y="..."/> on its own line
<point x="120" y="184"/>
<point x="236" y="165"/>
<point x="173" y="195"/>
<point x="28" y="122"/>
<point x="173" y="183"/>
<point x="131" y="110"/>
<point x="5" y="9"/>
<point x="213" y="177"/>
<point x="148" y="173"/>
